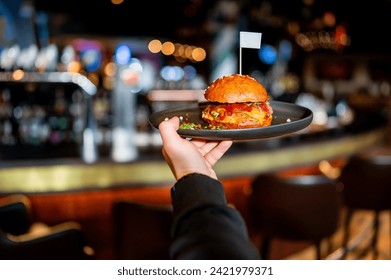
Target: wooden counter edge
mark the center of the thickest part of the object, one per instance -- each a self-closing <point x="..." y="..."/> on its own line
<point x="61" y="178"/>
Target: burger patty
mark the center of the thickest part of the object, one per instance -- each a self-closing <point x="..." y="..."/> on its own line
<point x="238" y="115"/>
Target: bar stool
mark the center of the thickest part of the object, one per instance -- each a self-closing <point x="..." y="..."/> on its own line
<point x="366" y="181"/>
<point x="296" y="208"/>
<point x="141" y="231"/>
<point x="22" y="238"/>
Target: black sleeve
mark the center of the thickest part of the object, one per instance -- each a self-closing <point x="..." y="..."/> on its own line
<point x="205" y="227"/>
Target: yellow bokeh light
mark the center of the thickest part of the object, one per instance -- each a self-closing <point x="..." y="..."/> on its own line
<point x="168" y="48"/>
<point x="74" y="67"/>
<point x="177" y="49"/>
<point x="181" y="52"/>
<point x="188" y="51"/>
<point x="329" y="18"/>
<point x="18" y="75"/>
<point x="155" y="46"/>
<point x="110" y="69"/>
<point x="293" y="28"/>
<point x="198" y="54"/>
<point x="108" y="83"/>
<point x="117" y="2"/>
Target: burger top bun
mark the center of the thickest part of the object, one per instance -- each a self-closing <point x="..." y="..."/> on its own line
<point x="235" y="88"/>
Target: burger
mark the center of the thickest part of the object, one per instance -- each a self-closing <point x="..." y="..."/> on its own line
<point x="236" y="101"/>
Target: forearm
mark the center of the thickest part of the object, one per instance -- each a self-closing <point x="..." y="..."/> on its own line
<point x="205" y="227"/>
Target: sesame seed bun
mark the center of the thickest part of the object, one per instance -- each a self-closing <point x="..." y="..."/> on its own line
<point x="235" y="88"/>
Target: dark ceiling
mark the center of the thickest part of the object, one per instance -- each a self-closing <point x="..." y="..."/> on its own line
<point x="131" y="18"/>
<point x="367" y="21"/>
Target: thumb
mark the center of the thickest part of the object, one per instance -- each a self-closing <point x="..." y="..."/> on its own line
<point x="168" y="129"/>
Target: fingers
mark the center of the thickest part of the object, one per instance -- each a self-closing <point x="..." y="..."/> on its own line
<point x="203" y="146"/>
<point x="217" y="152"/>
<point x="168" y="132"/>
<point x="225" y="145"/>
<point x="169" y="125"/>
<point x="189" y="156"/>
<point x="207" y="146"/>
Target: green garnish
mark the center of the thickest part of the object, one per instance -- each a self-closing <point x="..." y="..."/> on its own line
<point x="187" y="126"/>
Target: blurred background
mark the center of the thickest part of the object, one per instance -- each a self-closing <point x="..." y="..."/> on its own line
<point x="79" y="80"/>
<point x="323" y="48"/>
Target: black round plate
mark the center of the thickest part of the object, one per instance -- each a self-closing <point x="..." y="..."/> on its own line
<point x="287" y="118"/>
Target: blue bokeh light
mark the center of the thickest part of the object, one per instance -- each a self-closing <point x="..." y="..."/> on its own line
<point x="285" y="50"/>
<point x="123" y="54"/>
<point x="172" y="73"/>
<point x="267" y="54"/>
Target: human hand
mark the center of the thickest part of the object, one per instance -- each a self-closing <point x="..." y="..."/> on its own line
<point x="189" y="156"/>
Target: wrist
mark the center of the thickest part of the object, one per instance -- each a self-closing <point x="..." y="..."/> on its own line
<point x="184" y="177"/>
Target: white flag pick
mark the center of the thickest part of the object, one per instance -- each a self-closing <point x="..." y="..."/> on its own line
<point x="250" y="40"/>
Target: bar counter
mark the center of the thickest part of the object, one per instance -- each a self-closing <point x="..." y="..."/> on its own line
<point x="245" y="158"/>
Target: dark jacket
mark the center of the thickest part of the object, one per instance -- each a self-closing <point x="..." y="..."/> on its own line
<point x="205" y="227"/>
